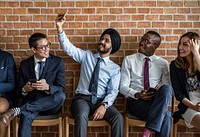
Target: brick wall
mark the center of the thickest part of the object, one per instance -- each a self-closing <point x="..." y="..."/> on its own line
<point x="86" y="20"/>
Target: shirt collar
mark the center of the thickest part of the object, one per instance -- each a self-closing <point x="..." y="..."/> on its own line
<point x="142" y="56"/>
<point x="106" y="59"/>
<point x="37" y="60"/>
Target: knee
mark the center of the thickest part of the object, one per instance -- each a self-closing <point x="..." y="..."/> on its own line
<point x="4" y="105"/>
<point x="166" y="90"/>
<point x="59" y="97"/>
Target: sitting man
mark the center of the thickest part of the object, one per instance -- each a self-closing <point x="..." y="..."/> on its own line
<point x="141" y="71"/>
<point x="41" y="84"/>
<point x="98" y="84"/>
<point x="7" y="85"/>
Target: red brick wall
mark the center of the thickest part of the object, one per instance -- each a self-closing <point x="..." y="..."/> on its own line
<point x="85" y="22"/>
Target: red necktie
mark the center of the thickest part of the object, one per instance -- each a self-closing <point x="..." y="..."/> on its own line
<point x="146" y="74"/>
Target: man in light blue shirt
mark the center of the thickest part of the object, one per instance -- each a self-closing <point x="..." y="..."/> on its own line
<point x="108" y="81"/>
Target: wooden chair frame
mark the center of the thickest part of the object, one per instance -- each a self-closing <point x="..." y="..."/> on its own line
<point x="47" y="120"/>
<point x="130" y="121"/>
<point x="180" y="122"/>
<point x="8" y="131"/>
<point x="134" y="121"/>
<point x="98" y="123"/>
<point x="43" y="122"/>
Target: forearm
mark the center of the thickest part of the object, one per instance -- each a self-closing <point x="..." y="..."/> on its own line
<point x="59" y="28"/>
<point x="188" y="103"/>
<point x="128" y="92"/>
<point x="110" y="98"/>
<point x="197" y="60"/>
<point x="7" y="87"/>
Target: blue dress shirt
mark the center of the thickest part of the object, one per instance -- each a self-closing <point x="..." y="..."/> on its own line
<point x="109" y="74"/>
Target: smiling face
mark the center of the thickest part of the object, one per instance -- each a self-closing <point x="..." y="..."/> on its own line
<point x="148" y="44"/>
<point x="42" y="49"/>
<point x="104" y="45"/>
<point x="184" y="47"/>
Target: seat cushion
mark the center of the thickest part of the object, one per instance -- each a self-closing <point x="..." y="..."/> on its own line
<point x="46" y="117"/>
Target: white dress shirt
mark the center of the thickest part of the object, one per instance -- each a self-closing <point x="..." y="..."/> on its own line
<point x="132" y="73"/>
<point x="37" y="66"/>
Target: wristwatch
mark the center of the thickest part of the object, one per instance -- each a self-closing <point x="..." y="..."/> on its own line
<point x="105" y="104"/>
<point x="23" y="90"/>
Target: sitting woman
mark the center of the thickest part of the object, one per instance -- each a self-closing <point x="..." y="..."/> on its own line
<point x="185" y="78"/>
<point x="7" y="85"/>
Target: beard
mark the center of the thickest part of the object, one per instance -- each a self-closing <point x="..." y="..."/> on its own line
<point x="105" y="50"/>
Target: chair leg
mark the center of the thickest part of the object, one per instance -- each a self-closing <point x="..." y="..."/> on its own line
<point x="174" y="130"/>
<point x="126" y="128"/>
<point x="16" y="126"/>
<point x="109" y="131"/>
<point x="67" y="128"/>
<point x="8" y="131"/>
<point x="60" y="127"/>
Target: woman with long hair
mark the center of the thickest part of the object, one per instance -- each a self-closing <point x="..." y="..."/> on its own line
<point x="185" y="78"/>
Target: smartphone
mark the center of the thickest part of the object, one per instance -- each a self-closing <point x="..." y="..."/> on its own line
<point x="32" y="80"/>
<point x="151" y="90"/>
<point x="60" y="16"/>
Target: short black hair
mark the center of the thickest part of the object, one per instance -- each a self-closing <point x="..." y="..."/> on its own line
<point x="157" y="35"/>
<point x="34" y="38"/>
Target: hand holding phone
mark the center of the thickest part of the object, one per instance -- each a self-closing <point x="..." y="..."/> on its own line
<point x="151" y="91"/>
<point x="32" y="81"/>
<point x="61" y="16"/>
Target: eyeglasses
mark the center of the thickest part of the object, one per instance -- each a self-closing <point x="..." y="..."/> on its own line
<point x="44" y="47"/>
<point x="147" y="42"/>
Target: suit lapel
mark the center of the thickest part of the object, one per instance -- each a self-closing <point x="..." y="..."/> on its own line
<point x="32" y="66"/>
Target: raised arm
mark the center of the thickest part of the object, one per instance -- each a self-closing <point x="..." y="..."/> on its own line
<point x="195" y="47"/>
<point x="60" y="19"/>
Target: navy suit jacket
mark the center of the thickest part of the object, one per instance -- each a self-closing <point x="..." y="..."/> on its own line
<point x="7" y="74"/>
<point x="53" y="73"/>
<point x="180" y="86"/>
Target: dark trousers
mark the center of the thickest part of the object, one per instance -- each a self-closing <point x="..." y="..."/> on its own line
<point x="44" y="104"/>
<point x="82" y="109"/>
<point x="154" y="112"/>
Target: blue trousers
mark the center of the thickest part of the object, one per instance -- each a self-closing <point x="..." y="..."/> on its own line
<point x="43" y="104"/>
<point x="82" y="109"/>
<point x="154" y="112"/>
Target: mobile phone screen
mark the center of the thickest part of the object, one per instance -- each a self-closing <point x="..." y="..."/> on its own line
<point x="32" y="80"/>
<point x="60" y="16"/>
<point x="153" y="90"/>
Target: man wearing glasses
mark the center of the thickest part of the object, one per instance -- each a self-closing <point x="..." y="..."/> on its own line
<point x="145" y="81"/>
<point x="41" y="84"/>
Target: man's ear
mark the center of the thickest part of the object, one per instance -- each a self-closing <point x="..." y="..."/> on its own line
<point x="156" y="46"/>
<point x="33" y="50"/>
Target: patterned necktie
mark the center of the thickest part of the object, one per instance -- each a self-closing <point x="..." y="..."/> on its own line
<point x="146" y="74"/>
<point x="94" y="82"/>
<point x="41" y="68"/>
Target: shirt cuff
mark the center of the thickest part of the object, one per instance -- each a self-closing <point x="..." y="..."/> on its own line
<point x="24" y="93"/>
<point x="132" y="95"/>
